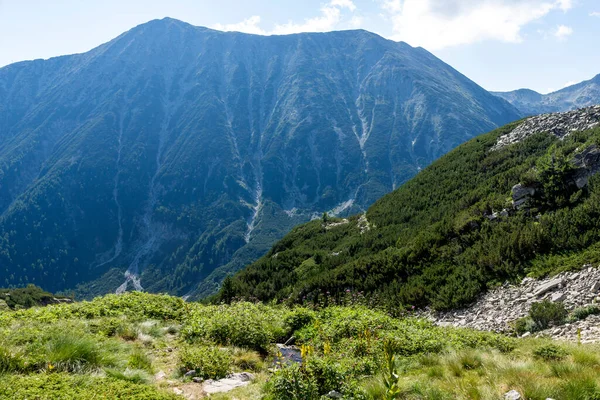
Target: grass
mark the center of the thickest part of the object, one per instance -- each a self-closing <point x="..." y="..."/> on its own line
<point x="71" y="351"/>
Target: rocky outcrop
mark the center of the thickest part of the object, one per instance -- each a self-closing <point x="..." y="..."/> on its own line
<point x="587" y="163"/>
<point x="521" y="195"/>
<point x="558" y="124"/>
<point x="497" y="309"/>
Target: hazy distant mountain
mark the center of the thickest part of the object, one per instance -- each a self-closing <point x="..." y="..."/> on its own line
<point x="179" y="153"/>
<point x="530" y="102"/>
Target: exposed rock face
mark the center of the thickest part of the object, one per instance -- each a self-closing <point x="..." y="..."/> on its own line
<point x="587" y="163"/>
<point x="521" y="195"/>
<point x="558" y="124"/>
<point x="498" y="308"/>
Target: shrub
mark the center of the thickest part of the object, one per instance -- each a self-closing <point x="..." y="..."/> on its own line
<point x="253" y="326"/>
<point x="525" y="324"/>
<point x="550" y="352"/>
<point x="584" y="312"/>
<point x="298" y="318"/>
<point x="292" y="383"/>
<point x="546" y="313"/>
<point x="209" y="362"/>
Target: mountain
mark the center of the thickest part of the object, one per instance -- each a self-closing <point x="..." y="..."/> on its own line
<point x="178" y="153"/>
<point x="530" y="102"/>
<point x="523" y="199"/>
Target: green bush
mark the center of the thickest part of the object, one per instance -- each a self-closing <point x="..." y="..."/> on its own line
<point x="249" y="325"/>
<point x="550" y="352"/>
<point x="584" y="312"/>
<point x="546" y="313"/>
<point x="292" y="383"/>
<point x="298" y="318"/>
<point x="525" y="324"/>
<point x="209" y="362"/>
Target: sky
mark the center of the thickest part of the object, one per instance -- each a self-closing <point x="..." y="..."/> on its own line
<point x="502" y="45"/>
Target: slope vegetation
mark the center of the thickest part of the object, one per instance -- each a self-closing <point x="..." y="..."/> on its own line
<point x="146" y="347"/>
<point x="452" y="231"/>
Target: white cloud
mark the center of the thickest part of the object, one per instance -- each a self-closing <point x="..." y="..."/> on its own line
<point x="595" y="14"/>
<point x="435" y="24"/>
<point x="331" y="16"/>
<point x="343" y="4"/>
<point x="565" y="5"/>
<point x="562" y="31"/>
<point x="250" y="25"/>
<point x="356" y="22"/>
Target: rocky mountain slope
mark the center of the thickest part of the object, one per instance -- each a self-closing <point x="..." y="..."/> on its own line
<point x="523" y="199"/>
<point x="530" y="102"/>
<point x="498" y="309"/>
<point x="178" y="153"/>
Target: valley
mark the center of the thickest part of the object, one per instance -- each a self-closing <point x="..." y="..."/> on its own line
<point x="174" y="155"/>
<point x="196" y="213"/>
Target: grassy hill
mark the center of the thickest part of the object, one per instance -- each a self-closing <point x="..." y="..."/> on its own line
<point x="114" y="346"/>
<point x="434" y="241"/>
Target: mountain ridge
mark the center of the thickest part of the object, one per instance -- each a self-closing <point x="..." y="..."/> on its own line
<point x="180" y="154"/>
<point x="530" y="102"/>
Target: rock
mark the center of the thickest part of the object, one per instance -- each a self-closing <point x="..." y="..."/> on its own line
<point x="521" y="195"/>
<point x="595" y="286"/>
<point x="546" y="287"/>
<point x="512" y="395"/>
<point x="177" y="391"/>
<point x="245" y="376"/>
<point x="159" y="376"/>
<point x="557" y="297"/>
<point x="557" y="124"/>
<point x="526" y="334"/>
<point x="197" y="380"/>
<point x="334" y="395"/>
<point x="227" y="384"/>
<point x="190" y="373"/>
<point x="290" y="354"/>
<point x="497" y="309"/>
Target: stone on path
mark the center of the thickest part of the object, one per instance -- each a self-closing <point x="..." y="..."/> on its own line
<point x="512" y="395"/>
<point x="232" y="381"/>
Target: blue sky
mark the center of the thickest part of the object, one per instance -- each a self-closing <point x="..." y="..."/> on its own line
<point x="500" y="44"/>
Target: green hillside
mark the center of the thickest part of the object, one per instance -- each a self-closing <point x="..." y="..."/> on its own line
<point x="433" y="240"/>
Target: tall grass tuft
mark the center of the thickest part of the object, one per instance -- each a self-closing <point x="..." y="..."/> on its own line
<point x="70" y="353"/>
